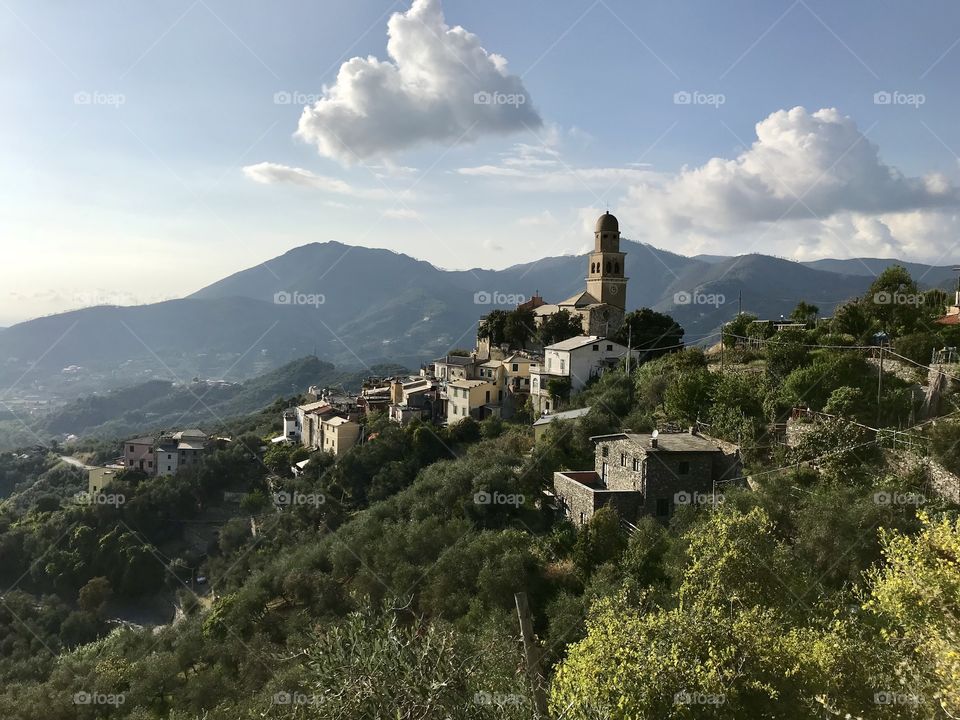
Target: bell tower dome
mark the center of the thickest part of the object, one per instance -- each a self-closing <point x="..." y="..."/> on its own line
<point x="605" y="279"/>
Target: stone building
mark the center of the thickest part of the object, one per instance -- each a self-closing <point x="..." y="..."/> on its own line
<point x="648" y="474"/>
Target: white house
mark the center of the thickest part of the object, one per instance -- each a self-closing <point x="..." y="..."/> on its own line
<point x="577" y="360"/>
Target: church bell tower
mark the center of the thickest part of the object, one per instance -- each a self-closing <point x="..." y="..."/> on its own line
<point x="605" y="279"/>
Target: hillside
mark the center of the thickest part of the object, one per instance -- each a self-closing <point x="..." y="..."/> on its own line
<point x="159" y="404"/>
<point x="378" y="306"/>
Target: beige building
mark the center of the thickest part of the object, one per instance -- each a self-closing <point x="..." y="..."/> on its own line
<point x="474" y="398"/>
<point x="338" y="434"/>
<point x="98" y="478"/>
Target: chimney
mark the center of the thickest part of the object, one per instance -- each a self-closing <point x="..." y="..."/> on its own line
<point x="693" y="429"/>
<point x="653" y="439"/>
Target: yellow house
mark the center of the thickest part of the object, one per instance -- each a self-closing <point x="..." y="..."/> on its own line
<point x="339" y="434"/>
<point x="467" y="398"/>
<point x="516" y="373"/>
<point x="98" y="478"/>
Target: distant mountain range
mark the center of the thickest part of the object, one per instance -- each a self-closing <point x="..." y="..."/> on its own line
<point x="356" y="306"/>
<point x="161" y="404"/>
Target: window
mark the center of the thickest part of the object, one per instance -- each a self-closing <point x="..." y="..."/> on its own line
<point x="488" y="396"/>
<point x="150" y="463"/>
<point x="623" y="459"/>
<point x="636" y="464"/>
<point x="131" y="448"/>
<point x="563" y="366"/>
<point x="609" y="347"/>
<point x="596" y="348"/>
<point x="130" y="461"/>
<point x="604" y="450"/>
<point x="684" y="468"/>
<point x="168" y="468"/>
<point x="663" y="507"/>
<point x="516" y="366"/>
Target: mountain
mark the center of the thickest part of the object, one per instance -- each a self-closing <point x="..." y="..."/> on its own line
<point x="927" y="275"/>
<point x="357" y="306"/>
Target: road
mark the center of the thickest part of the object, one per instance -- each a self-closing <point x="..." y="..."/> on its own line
<point x="73" y="461"/>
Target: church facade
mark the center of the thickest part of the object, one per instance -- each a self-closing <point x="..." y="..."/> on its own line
<point x="602" y="305"/>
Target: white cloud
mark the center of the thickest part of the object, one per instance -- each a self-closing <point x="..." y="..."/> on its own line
<point x="268" y="173"/>
<point x="431" y="90"/>
<point x="811" y="185"/>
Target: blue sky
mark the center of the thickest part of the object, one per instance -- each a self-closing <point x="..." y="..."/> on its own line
<point x="150" y="149"/>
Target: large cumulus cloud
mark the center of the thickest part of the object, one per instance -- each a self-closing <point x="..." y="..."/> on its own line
<point x="811" y="184"/>
<point x="433" y="89"/>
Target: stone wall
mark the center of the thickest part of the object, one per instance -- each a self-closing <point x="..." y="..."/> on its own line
<point x="579" y="502"/>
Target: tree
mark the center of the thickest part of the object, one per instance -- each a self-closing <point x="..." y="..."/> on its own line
<point x="653" y="333"/>
<point x="558" y="327"/>
<point x="852" y="319"/>
<point x="805" y="312"/>
<point x="519" y="328"/>
<point x="894" y="301"/>
<point x="736" y="329"/>
<point x="917" y="593"/>
<point x="600" y="541"/>
<point x="94" y="595"/>
<point x="493" y="327"/>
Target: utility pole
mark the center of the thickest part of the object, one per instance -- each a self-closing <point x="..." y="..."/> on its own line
<point x="879" y="383"/>
<point x="531" y="654"/>
<point x="629" y="346"/>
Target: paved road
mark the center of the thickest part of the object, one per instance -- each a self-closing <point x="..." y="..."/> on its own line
<point x="73" y="461"/>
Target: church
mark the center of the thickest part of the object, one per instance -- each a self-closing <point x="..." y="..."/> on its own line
<point x="602" y="305"/>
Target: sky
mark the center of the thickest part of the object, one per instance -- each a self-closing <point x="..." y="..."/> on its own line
<point x="149" y="149"/>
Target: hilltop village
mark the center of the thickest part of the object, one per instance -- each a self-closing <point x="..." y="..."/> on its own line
<point x="507" y="375"/>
